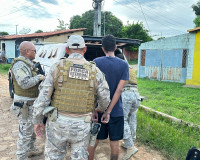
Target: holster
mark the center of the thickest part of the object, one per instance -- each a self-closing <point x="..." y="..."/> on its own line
<point x="53" y="115"/>
<point x="24" y="108"/>
<point x="93" y="133"/>
<point x="24" y="111"/>
<point x="51" y="112"/>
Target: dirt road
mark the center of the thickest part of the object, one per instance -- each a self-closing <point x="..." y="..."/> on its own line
<point x="9" y="131"/>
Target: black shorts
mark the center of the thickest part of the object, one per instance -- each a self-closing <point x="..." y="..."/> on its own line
<point x="114" y="128"/>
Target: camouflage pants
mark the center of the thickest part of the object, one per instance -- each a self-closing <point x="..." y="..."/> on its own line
<point x="66" y="131"/>
<point x="26" y="135"/>
<point x="131" y="102"/>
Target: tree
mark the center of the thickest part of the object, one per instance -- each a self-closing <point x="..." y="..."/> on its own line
<point x="135" y="31"/>
<point x="196" y="9"/>
<point x="25" y="30"/>
<point x="3" y="33"/>
<point x="62" y="25"/>
<point x="39" y="31"/>
<point x="197" y="21"/>
<point x="113" y="25"/>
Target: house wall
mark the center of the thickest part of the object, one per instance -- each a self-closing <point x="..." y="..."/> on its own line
<point x="58" y="38"/>
<point x="10" y="48"/>
<point x="130" y="55"/>
<point x="184" y="41"/>
<point x="195" y="80"/>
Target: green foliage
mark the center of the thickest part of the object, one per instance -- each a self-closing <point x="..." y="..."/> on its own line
<point x="39" y="31"/>
<point x="135" y="31"/>
<point x="84" y="21"/>
<point x="113" y="25"/>
<point x="132" y="62"/>
<point x="172" y="99"/>
<point x="4" y="68"/>
<point x="3" y="33"/>
<point x="161" y="38"/>
<point x="62" y="25"/>
<point x="197" y="21"/>
<point x="172" y="139"/>
<point x="196" y="8"/>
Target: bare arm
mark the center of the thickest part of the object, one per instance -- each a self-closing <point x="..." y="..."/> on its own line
<point x="116" y="95"/>
<point x="106" y="116"/>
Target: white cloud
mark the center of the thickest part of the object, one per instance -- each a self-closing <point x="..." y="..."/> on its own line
<point x="166" y="17"/>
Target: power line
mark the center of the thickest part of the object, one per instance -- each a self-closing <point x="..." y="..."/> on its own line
<point x="19" y="10"/>
<point x="161" y="16"/>
<point x="149" y="16"/>
<point x="144" y="16"/>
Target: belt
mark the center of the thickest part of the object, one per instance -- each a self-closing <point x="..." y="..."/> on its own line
<point x="130" y="88"/>
<point x="84" y="117"/>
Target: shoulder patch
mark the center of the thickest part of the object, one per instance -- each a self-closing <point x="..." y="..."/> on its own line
<point x="22" y="72"/>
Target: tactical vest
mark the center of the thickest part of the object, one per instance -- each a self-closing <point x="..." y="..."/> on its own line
<point x="74" y="86"/>
<point x="30" y="92"/>
<point x="132" y="76"/>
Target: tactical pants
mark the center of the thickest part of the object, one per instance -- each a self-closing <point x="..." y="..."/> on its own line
<point x="131" y="102"/>
<point x="26" y="135"/>
<point x="63" y="132"/>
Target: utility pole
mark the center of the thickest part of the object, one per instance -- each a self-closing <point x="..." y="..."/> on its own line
<point x="16" y="29"/>
<point x="97" y="17"/>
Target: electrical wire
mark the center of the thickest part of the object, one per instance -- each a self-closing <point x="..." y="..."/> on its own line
<point x="150" y="9"/>
<point x="19" y="10"/>
<point x="144" y="17"/>
<point x="147" y="15"/>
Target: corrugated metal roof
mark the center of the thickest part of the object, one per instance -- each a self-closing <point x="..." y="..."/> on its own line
<point x="194" y="29"/>
<point x="42" y="34"/>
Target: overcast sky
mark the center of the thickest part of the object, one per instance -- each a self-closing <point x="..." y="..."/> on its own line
<point x="161" y="17"/>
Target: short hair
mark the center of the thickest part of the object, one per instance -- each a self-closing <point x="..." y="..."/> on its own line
<point x="109" y="43"/>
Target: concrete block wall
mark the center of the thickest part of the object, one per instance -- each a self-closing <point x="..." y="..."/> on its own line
<point x="184" y="41"/>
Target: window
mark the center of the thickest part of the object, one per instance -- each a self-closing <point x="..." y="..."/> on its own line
<point x="143" y="54"/>
<point x="50" y="53"/>
<point x="55" y="52"/>
<point x="184" y="58"/>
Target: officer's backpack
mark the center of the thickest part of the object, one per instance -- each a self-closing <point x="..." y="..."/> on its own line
<point x="193" y="154"/>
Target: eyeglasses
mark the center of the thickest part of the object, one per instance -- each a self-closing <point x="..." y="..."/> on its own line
<point x="33" y="50"/>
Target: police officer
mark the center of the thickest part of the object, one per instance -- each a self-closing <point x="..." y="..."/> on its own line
<point x="25" y="83"/>
<point x="71" y="87"/>
<point x="131" y="102"/>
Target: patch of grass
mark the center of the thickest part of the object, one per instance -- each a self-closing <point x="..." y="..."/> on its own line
<point x="172" y="99"/>
<point x="132" y="62"/>
<point x="4" y="68"/>
<point x="172" y="139"/>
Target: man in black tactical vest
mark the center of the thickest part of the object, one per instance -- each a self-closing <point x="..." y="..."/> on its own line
<point x="25" y="82"/>
<point x="68" y="96"/>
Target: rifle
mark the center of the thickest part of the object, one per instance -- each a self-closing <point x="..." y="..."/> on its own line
<point x="39" y="68"/>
